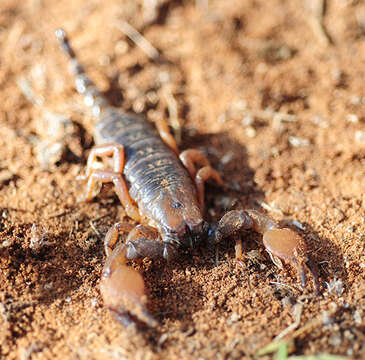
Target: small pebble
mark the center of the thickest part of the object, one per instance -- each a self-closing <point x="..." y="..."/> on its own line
<point x="327" y="319"/>
<point x="352" y="118"/>
<point x="357" y="317"/>
<point x="356" y="100"/>
<point x="138" y="105"/>
<point x="104" y="60"/>
<point x="319" y="121"/>
<point x="226" y="158"/>
<point x="152" y="97"/>
<point x="287" y="301"/>
<point x="6" y="243"/>
<point x="121" y="47"/>
<point x="239" y="105"/>
<point x="349" y="335"/>
<point x="248" y="120"/>
<point x="222" y="118"/>
<point x="164" y="77"/>
<point x="360" y="137"/>
<point x="298" y="142"/>
<point x="335" y="286"/>
<point x="261" y="68"/>
<point x="48" y="286"/>
<point x="233" y="318"/>
<point x="250" y="132"/>
<point x="335" y="339"/>
<point x="94" y="302"/>
<point x="163" y="338"/>
<point x="337" y="76"/>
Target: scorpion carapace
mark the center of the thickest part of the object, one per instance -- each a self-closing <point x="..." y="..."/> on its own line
<point x="163" y="191"/>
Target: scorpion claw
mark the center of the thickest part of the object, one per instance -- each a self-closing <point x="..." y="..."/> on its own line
<point x="290" y="247"/>
<point x="282" y="244"/>
<point x="123" y="290"/>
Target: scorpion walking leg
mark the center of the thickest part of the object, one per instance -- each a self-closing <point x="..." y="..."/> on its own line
<point x="281" y="243"/>
<point x="121" y="189"/>
<point x="141" y="241"/>
<point x="105" y="150"/>
<point x="112" y="235"/>
<point x="192" y="157"/>
<point x="166" y="136"/>
<point x="205" y="173"/>
<point x="122" y="286"/>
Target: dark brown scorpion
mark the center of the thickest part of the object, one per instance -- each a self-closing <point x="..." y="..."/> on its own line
<point x="164" y="191"/>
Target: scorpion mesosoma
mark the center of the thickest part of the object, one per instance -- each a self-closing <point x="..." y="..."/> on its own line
<point x="164" y="192"/>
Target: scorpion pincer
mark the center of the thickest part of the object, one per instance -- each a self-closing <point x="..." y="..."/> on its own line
<point x="164" y="192"/>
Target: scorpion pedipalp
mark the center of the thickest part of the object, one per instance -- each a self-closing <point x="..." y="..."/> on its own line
<point x="283" y="244"/>
<point x="123" y="289"/>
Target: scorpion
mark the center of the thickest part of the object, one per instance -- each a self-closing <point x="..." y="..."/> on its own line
<point x="163" y="191"/>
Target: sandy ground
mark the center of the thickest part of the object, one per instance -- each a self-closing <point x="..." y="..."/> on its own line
<point x="270" y="91"/>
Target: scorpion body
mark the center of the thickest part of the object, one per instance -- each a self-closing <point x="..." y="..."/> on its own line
<point x="157" y="181"/>
<point x="164" y="192"/>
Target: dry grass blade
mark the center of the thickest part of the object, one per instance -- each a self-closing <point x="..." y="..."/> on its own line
<point x="317" y="9"/>
<point x="138" y="39"/>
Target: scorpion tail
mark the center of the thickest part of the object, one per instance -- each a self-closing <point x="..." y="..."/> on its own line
<point x="93" y="97"/>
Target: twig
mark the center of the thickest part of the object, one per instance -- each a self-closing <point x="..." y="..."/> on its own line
<point x="138" y="39"/>
<point x="298" y="308"/>
<point x="173" y="113"/>
<point x="27" y="90"/>
<point x="9" y="208"/>
<point x="269" y="208"/>
<point x="269" y="114"/>
<point x="94" y="229"/>
<point x="292" y="288"/>
<point x="317" y="9"/>
<point x="59" y="214"/>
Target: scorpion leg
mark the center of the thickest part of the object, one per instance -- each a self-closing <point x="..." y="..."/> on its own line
<point x="166" y="136"/>
<point x="281" y="243"/>
<point x="190" y="158"/>
<point x="112" y="235"/>
<point x="122" y="286"/>
<point x="105" y="150"/>
<point x="121" y="189"/>
<point x="116" y="151"/>
<point x="203" y="174"/>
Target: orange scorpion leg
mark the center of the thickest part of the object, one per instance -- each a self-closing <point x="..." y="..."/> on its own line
<point x="166" y="136"/>
<point x="106" y="176"/>
<point x="114" y="150"/>
<point x="203" y="174"/>
<point x="190" y="158"/>
<point x="122" y="287"/>
<point x="281" y="243"/>
<point x="92" y="175"/>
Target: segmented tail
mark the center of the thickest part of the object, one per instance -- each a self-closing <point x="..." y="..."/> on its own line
<point x="93" y="97"/>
